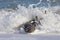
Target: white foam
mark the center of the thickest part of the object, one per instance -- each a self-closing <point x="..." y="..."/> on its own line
<point x="11" y="19"/>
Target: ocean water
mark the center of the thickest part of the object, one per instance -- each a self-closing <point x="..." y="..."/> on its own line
<point x="16" y="12"/>
<point x="13" y="3"/>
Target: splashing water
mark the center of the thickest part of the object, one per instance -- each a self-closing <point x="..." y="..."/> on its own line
<point x="9" y="19"/>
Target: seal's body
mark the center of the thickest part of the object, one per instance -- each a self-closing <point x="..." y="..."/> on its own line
<point x="29" y="27"/>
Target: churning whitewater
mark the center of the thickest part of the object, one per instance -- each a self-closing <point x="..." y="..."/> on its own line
<point x="11" y="19"/>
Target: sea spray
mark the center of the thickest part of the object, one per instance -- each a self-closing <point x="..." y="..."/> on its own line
<point x="12" y="19"/>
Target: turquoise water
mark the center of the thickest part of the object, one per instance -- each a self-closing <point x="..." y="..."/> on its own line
<point x="13" y="3"/>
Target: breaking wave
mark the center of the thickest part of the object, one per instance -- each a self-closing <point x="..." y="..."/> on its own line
<point x="10" y="19"/>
